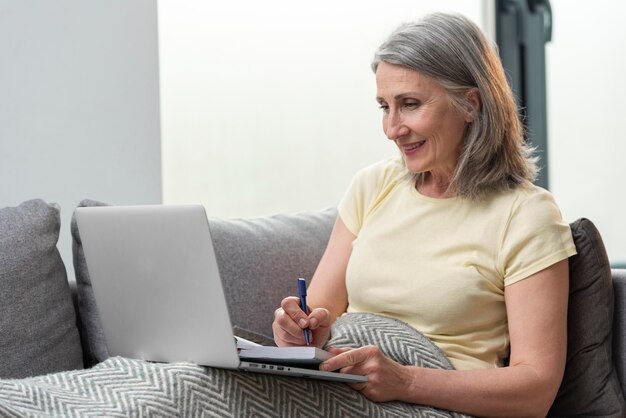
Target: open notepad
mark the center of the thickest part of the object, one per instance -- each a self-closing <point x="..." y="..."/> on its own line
<point x="300" y="356"/>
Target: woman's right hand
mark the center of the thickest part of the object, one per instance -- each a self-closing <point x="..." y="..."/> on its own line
<point x="290" y="322"/>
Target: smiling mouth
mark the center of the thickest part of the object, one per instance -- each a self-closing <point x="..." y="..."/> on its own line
<point x="413" y="146"/>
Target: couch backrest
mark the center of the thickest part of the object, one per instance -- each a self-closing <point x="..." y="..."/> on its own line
<point x="261" y="259"/>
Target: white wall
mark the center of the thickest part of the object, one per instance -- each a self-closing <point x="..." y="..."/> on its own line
<point x="586" y="63"/>
<point x="79" y="104"/>
<point x="268" y="106"/>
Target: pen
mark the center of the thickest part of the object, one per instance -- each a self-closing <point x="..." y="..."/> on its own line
<point x="302" y="294"/>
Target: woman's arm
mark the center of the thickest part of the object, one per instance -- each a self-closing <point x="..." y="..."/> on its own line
<point x="537" y="316"/>
<point x="326" y="296"/>
<point x="328" y="286"/>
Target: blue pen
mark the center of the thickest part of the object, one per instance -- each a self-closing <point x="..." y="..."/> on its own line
<point x="302" y="294"/>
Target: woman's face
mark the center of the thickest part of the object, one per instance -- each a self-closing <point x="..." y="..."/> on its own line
<point x="420" y="118"/>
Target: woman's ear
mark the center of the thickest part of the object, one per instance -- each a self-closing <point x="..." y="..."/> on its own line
<point x="473" y="101"/>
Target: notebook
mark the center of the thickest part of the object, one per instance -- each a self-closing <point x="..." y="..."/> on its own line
<point x="294" y="356"/>
<point x="158" y="290"/>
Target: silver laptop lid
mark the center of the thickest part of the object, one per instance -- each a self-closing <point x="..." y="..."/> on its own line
<point x="156" y="282"/>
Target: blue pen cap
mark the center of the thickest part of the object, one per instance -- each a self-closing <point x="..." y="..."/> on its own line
<point x="301" y="287"/>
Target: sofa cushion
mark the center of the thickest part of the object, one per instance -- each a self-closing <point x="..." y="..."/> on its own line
<point x="261" y="259"/>
<point x="38" y="333"/>
<point x="90" y="327"/>
<point x="590" y="386"/>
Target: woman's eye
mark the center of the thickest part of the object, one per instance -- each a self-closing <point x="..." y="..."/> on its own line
<point x="411" y="105"/>
<point x="384" y="107"/>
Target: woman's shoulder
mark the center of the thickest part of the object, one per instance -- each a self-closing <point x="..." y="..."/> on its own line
<point x="522" y="195"/>
<point x="382" y="172"/>
<point x="534" y="196"/>
<point x="524" y="203"/>
<point x="369" y="186"/>
<point x="529" y="203"/>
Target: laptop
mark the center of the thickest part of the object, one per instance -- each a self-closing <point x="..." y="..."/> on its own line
<point x="158" y="289"/>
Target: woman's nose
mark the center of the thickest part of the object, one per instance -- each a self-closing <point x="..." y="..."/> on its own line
<point x="395" y="127"/>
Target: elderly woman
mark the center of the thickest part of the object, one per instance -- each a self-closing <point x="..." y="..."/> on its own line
<point x="452" y="237"/>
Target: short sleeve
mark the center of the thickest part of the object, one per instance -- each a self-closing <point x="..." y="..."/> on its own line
<point x="366" y="189"/>
<point x="535" y="237"/>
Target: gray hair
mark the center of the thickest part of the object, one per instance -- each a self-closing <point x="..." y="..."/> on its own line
<point x="453" y="51"/>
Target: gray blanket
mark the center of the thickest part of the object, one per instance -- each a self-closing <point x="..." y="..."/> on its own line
<point x="121" y="387"/>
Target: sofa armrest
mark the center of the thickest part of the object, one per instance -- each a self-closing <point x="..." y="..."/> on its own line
<point x="619" y="325"/>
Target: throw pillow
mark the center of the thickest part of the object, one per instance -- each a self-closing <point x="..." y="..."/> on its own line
<point x="91" y="333"/>
<point x="590" y="386"/>
<point x="38" y="332"/>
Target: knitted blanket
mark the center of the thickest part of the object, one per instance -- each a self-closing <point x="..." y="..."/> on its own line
<point x="121" y="387"/>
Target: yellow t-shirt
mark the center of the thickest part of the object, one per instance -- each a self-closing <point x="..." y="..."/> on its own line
<point x="441" y="265"/>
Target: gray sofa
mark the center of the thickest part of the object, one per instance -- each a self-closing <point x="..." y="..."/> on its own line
<point x="50" y="327"/>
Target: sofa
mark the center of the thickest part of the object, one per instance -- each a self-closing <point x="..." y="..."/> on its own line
<point x="51" y="338"/>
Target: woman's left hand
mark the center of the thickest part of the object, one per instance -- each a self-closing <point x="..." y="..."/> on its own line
<point x="387" y="380"/>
